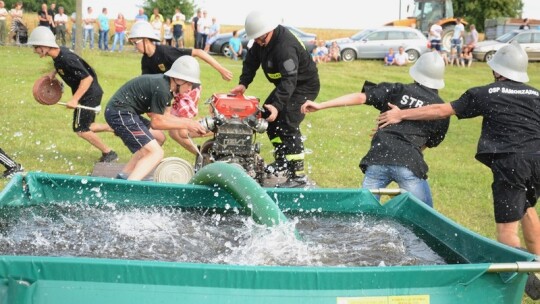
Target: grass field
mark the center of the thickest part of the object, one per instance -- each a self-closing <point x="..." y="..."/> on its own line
<point x="40" y="137"/>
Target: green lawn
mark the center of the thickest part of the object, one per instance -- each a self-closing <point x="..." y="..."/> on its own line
<point x="40" y="137"/>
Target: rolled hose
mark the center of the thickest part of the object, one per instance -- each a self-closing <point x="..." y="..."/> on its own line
<point x="247" y="192"/>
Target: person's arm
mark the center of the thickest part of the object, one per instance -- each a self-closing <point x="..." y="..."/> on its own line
<point x="352" y="99"/>
<point x="84" y="85"/>
<point x="396" y="115"/>
<point x="225" y="74"/>
<point x="170" y="122"/>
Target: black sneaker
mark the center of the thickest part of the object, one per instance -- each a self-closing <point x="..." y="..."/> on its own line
<point x="9" y="173"/>
<point x="109" y="157"/>
<point x="294" y="182"/>
<point x="532" y="287"/>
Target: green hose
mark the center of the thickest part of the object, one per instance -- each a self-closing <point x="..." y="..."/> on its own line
<point x="247" y="192"/>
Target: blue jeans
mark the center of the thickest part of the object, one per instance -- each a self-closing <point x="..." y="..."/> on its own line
<point x="456" y="43"/>
<point x="118" y="38"/>
<point x="378" y="176"/>
<point x="89" y="33"/>
<point x="103" y="40"/>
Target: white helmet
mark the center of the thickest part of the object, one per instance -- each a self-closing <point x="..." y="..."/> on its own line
<point x="185" y="68"/>
<point x="429" y="70"/>
<point x="143" y="29"/>
<point x="511" y="62"/>
<point x="42" y="36"/>
<point x="259" y="23"/>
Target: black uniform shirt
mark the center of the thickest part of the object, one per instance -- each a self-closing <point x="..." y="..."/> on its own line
<point x="285" y="62"/>
<point x="73" y="69"/>
<point x="401" y="144"/>
<point x="511" y="117"/>
<point x="162" y="59"/>
<point x="143" y="94"/>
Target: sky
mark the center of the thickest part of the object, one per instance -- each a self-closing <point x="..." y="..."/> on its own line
<point x="345" y="14"/>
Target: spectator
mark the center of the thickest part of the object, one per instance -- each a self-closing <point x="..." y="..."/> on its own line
<point x="457" y="37"/>
<point x="334" y="53"/>
<point x="61" y="21"/>
<point x="389" y="57"/>
<point x="119" y="32"/>
<point x="197" y="38"/>
<point x="454" y="57"/>
<point x="178" y="14"/>
<point x="435" y="36"/>
<point x="103" y="23"/>
<point x="525" y="25"/>
<point x="401" y="58"/>
<point x="202" y="29"/>
<point x="81" y="78"/>
<point x="52" y="12"/>
<point x="508" y="142"/>
<point x="157" y="23"/>
<point x="396" y="153"/>
<point x="322" y="52"/>
<point x="73" y="18"/>
<point x="236" y="48"/>
<point x="472" y="37"/>
<point x="11" y="166"/>
<point x="178" y="31"/>
<point x="151" y="95"/>
<point x="167" y="32"/>
<point x="141" y="16"/>
<point x="466" y="57"/>
<point x="17" y="23"/>
<point x="213" y="32"/>
<point x="43" y="16"/>
<point x="3" y="27"/>
<point x="89" y="19"/>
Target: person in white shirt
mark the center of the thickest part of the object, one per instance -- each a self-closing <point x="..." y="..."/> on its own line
<point x="213" y="32"/>
<point x="401" y="58"/>
<point x="459" y="29"/>
<point x="3" y="27"/>
<point x="89" y="19"/>
<point x="435" y="35"/>
<point x="61" y="20"/>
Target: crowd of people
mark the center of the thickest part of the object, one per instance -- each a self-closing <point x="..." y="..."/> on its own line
<point x="462" y="44"/>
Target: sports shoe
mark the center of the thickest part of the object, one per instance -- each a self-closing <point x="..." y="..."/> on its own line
<point x="276" y="167"/>
<point x="9" y="173"/>
<point x="109" y="157"/>
<point x="294" y="182"/>
<point x="532" y="287"/>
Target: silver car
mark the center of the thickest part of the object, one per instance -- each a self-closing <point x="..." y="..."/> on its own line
<point x="529" y="40"/>
<point x="375" y="43"/>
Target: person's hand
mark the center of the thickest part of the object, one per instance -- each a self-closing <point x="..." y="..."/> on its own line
<point x="310" y="106"/>
<point x="194" y="127"/>
<point x="72" y="104"/>
<point x="392" y="116"/>
<point x="226" y="74"/>
<point x="238" y="90"/>
<point x="273" y="112"/>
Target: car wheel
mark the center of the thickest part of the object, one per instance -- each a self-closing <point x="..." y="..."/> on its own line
<point x="489" y="56"/>
<point x="413" y="55"/>
<point x="225" y="50"/>
<point x="348" y="55"/>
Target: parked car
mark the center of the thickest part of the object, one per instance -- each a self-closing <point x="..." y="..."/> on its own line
<point x="375" y="43"/>
<point x="221" y="45"/>
<point x="529" y="40"/>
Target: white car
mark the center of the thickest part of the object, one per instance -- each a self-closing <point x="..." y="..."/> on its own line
<point x="375" y="43"/>
<point x="529" y="40"/>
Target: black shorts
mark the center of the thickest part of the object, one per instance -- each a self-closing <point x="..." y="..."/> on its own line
<point x="83" y="118"/>
<point x="516" y="185"/>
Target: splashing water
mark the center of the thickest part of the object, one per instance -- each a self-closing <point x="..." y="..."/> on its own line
<point x="201" y="236"/>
